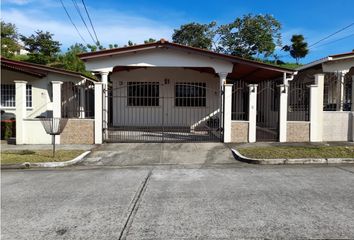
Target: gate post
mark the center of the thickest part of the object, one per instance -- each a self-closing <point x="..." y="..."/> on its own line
<point x="252" y="113"/>
<point x="283" y="112"/>
<point x="20" y="104"/>
<point x="227" y="112"/>
<point x="316" y="109"/>
<point x="98" y="113"/>
<point x="56" y="88"/>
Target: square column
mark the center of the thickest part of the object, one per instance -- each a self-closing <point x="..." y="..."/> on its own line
<point x="252" y="113"/>
<point x="316" y="109"/>
<point x="227" y="112"/>
<point x="20" y="100"/>
<point x="56" y="86"/>
<point x="104" y="80"/>
<point x="222" y="78"/>
<point x="283" y="112"/>
<point x="98" y="113"/>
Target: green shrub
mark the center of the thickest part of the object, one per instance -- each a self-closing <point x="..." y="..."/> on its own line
<point x="8" y="129"/>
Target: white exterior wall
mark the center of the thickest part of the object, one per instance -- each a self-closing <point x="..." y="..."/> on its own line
<point x="158" y="57"/>
<point x="337" y="126"/>
<point x="35" y="133"/>
<point x="41" y="91"/>
<point x="124" y="115"/>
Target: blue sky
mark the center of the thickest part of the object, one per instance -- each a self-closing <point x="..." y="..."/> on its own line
<point x="120" y="21"/>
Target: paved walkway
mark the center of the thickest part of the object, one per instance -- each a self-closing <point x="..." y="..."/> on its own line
<point x="11" y="147"/>
<point x="128" y="154"/>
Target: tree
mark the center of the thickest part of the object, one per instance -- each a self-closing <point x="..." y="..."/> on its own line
<point x="195" y="35"/>
<point x="95" y="47"/>
<point x="298" y="48"/>
<point x="113" y="46"/>
<point x="150" y="40"/>
<point x="70" y="60"/>
<point x="250" y="35"/>
<point x="42" y="48"/>
<point x="9" y="40"/>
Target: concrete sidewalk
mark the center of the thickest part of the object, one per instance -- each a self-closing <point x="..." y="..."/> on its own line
<point x="10" y="147"/>
<point x="129" y="154"/>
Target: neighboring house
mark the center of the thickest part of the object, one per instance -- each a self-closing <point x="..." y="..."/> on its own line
<point x="38" y="85"/>
<point x="336" y="121"/>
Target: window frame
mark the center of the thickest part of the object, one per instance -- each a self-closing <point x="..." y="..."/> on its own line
<point x="186" y="101"/>
<point x="143" y="94"/>
<point x="11" y="93"/>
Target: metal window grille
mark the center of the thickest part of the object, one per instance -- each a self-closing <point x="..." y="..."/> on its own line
<point x="190" y="94"/>
<point x="333" y="85"/>
<point x="240" y="98"/>
<point x="8" y="95"/>
<point x="143" y="93"/>
<point x="28" y="95"/>
<point x="299" y="100"/>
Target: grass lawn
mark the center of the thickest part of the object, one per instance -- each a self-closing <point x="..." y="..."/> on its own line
<point x="12" y="157"/>
<point x="298" y="152"/>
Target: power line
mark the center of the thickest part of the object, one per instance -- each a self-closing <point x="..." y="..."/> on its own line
<point x="72" y="22"/>
<point x="340" y="30"/>
<point x="83" y="20"/>
<point x="88" y="15"/>
<point x="337" y="40"/>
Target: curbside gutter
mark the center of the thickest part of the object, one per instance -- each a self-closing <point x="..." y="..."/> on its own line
<point x="47" y="164"/>
<point x="280" y="161"/>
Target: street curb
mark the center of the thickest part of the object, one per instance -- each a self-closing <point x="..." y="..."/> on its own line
<point x="281" y="161"/>
<point x="46" y="164"/>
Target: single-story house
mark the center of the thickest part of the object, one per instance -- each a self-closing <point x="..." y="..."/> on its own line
<point x="31" y="92"/>
<point x="166" y="92"/>
<point x="335" y="119"/>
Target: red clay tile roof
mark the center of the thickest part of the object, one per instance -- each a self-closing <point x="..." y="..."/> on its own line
<point x="36" y="69"/>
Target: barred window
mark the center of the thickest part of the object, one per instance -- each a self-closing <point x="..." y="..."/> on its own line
<point x="8" y="95"/>
<point x="143" y="93"/>
<point x="28" y="95"/>
<point x="190" y="95"/>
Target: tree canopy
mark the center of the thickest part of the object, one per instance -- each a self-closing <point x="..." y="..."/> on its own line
<point x="298" y="48"/>
<point x="41" y="47"/>
<point x="9" y="39"/>
<point x="195" y="35"/>
<point x="250" y="35"/>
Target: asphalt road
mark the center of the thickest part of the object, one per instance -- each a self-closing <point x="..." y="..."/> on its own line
<point x="214" y="202"/>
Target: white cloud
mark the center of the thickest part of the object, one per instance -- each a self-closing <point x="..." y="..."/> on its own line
<point x="16" y="2"/>
<point x="111" y="26"/>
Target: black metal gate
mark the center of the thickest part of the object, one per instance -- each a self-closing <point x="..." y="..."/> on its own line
<point x="163" y="112"/>
<point x="268" y="101"/>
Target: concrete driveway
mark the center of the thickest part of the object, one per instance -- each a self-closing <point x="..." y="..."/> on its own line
<point x="129" y="154"/>
<point x="175" y="202"/>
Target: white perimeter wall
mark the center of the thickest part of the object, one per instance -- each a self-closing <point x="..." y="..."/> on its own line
<point x="41" y="91"/>
<point x="35" y="133"/>
<point x="124" y="115"/>
<point x="337" y="126"/>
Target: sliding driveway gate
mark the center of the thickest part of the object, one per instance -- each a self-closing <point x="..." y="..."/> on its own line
<point x="163" y="112"/>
